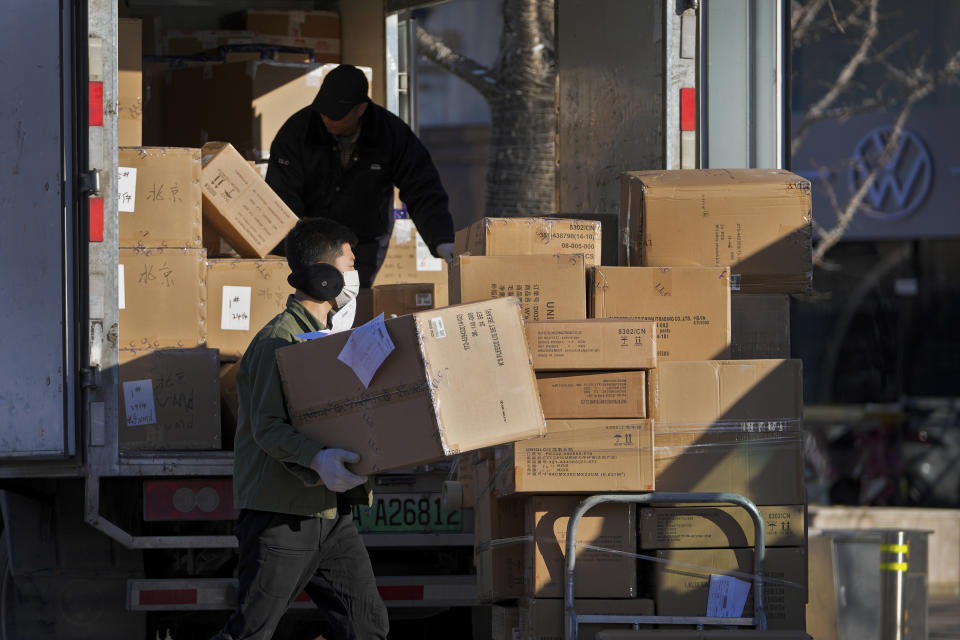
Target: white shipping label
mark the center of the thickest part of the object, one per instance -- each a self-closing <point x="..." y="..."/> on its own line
<point x="235" y="309"/>
<point x="366" y="349"/>
<point x="425" y="260"/>
<point x="734" y="282"/>
<point x="438" y="329"/>
<point x="121" y="289"/>
<point x="127" y="189"/>
<point x="138" y="400"/>
<point x="727" y="597"/>
<point x="424" y="300"/>
<point x="403" y="230"/>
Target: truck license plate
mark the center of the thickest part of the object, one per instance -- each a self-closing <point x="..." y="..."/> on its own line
<point x="406" y="513"/>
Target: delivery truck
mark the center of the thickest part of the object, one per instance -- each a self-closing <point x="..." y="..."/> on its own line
<point x="99" y="539"/>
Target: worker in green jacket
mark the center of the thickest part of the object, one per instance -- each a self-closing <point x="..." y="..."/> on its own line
<point x="295" y="528"/>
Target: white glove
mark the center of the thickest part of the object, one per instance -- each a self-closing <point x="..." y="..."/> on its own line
<point x="328" y="463"/>
<point x="445" y="251"/>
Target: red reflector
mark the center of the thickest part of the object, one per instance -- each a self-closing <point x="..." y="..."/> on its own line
<point x="303" y="597"/>
<point x="206" y="499"/>
<point x="413" y="592"/>
<point x="95" y="104"/>
<point x="688" y="109"/>
<point x="96" y="219"/>
<point x="168" y="596"/>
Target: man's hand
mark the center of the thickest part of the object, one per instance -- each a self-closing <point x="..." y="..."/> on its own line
<point x="445" y="251"/>
<point x="329" y="464"/>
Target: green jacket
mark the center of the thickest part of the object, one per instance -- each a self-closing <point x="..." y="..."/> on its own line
<point x="271" y="459"/>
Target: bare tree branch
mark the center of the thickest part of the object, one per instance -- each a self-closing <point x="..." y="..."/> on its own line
<point x="802" y="17"/>
<point x="470" y="71"/>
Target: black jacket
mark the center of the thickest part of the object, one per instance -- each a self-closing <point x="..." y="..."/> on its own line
<point x="305" y="171"/>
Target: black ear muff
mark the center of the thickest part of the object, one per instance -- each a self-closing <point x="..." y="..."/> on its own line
<point x="320" y="281"/>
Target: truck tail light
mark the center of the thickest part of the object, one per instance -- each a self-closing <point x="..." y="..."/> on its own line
<point x="204" y="499"/>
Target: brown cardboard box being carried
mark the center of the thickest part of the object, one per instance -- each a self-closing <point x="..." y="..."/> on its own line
<point x="401" y="299"/>
<point x="594" y="394"/>
<point x="711" y="527"/>
<point x="550" y="287"/>
<point x="592" y="344"/>
<point x="580" y="456"/>
<point x="530" y="236"/>
<point x="457" y="379"/>
<point x="130" y="83"/>
<point x="542" y="618"/>
<point x="169" y="279"/>
<point x="169" y="399"/>
<point x="691" y="306"/>
<point x="683" y="589"/>
<point x="240" y="205"/>
<point x="505" y="622"/>
<point x="245" y="295"/>
<point x="159" y="197"/>
<point x="408" y="259"/>
<point x="759" y="326"/>
<point x="758" y="222"/>
<point x="730" y="425"/>
<point x="706" y="634"/>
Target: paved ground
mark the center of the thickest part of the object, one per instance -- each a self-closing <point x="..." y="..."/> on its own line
<point x="944" y="621"/>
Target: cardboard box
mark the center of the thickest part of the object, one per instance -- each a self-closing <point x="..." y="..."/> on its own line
<point x="240" y="205"/>
<point x="159" y="197"/>
<point x="599" y="574"/>
<point x="458" y="379"/>
<point x="759" y="326"/>
<point x="592" y="344"/>
<point x="549" y="287"/>
<point x="191" y="42"/>
<point x="408" y="259"/>
<point x="610" y="236"/>
<point x="505" y="622"/>
<point x="730" y="425"/>
<point x="243" y="296"/>
<point x="130" y="83"/>
<point x="467" y="480"/>
<point x="498" y="538"/>
<point x="171" y="280"/>
<point x="229" y="403"/>
<point x="600" y="455"/>
<point x="682" y="590"/>
<point x="169" y="399"/>
<point x="302" y="24"/>
<point x="602" y="394"/>
<point x="542" y="618"/>
<point x="758" y="222"/>
<point x="325" y="50"/>
<point x="691" y="306"/>
<point x="401" y="299"/>
<point x="706" y="634"/>
<point x="823" y="616"/>
<point x="706" y="527"/>
<point x="530" y="236"/>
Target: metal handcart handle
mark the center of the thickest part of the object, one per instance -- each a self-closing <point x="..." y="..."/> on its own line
<point x="572" y="620"/>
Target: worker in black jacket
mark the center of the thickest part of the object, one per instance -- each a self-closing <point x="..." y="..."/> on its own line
<point x="340" y="158"/>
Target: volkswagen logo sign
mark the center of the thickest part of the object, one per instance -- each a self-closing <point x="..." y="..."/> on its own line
<point x="902" y="182"/>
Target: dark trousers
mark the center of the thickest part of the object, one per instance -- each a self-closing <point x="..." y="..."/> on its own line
<point x="282" y="555"/>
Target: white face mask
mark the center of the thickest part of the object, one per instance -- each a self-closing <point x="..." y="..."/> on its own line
<point x="344" y="317"/>
<point x="351" y="287"/>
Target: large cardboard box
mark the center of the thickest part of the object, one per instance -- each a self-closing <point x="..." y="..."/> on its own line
<point x="550" y="287"/>
<point x="240" y="205"/>
<point x="601" y="394"/>
<point x="303" y="24"/>
<point x="592" y="344"/>
<point x="609" y="233"/>
<point x="169" y="399"/>
<point x="158" y="191"/>
<point x="401" y="299"/>
<point x="505" y="622"/>
<point x="500" y="547"/>
<point x="408" y="259"/>
<point x="542" y="618"/>
<point x="243" y="296"/>
<point x="758" y="222"/>
<point x="691" y="306"/>
<point x="323" y="50"/>
<point x="705" y="634"/>
<point x="457" y="379"/>
<point x="162" y="298"/>
<point x="730" y="425"/>
<point x="709" y="527"/>
<point x="599" y="574"/>
<point x="759" y="326"/>
<point x="530" y="236"/>
<point x="682" y="589"/>
<point x="599" y="455"/>
<point x="191" y="42"/>
<point x="130" y="83"/>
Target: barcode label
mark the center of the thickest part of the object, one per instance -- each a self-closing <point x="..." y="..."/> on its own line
<point x="424" y="300"/>
<point x="438" y="330"/>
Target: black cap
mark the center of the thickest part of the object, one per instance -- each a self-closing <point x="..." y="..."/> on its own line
<point x="343" y="88"/>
